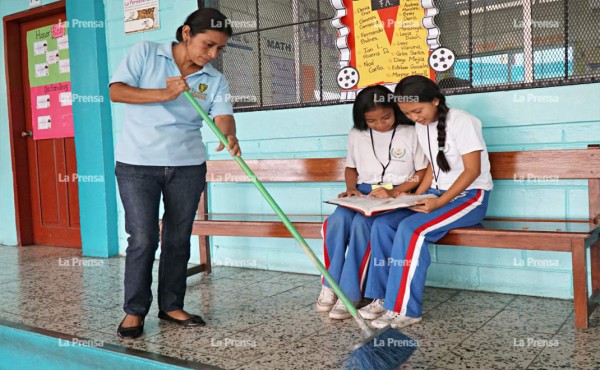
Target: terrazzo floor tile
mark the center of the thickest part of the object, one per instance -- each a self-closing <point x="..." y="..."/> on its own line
<point x="576" y="351"/>
<point x="440" y="330"/>
<point x="243" y="346"/>
<point x="253" y="366"/>
<point x="486" y="359"/>
<point x="409" y="365"/>
<point x="339" y="337"/>
<point x="279" y="328"/>
<point x="461" y="314"/>
<point x="494" y="349"/>
<point x="299" y="279"/>
<point x="429" y="352"/>
<point x="267" y="289"/>
<point x="482" y="299"/>
<point x="439" y="294"/>
<point x="189" y="338"/>
<point x="537" y="305"/>
<point x="252" y="276"/>
<point x="300" y="356"/>
<point x="537" y="322"/>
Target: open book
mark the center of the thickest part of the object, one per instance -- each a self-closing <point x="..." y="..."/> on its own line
<point x="370" y="206"/>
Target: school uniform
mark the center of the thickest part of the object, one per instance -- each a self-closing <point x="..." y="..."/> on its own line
<point x="399" y="241"/>
<point x="391" y="158"/>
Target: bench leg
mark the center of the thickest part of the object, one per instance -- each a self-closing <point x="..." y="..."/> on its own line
<point x="595" y="265"/>
<point x="204" y="244"/>
<point x="205" y="264"/>
<point x="580" y="291"/>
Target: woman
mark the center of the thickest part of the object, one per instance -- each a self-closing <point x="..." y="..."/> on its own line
<point x="160" y="152"/>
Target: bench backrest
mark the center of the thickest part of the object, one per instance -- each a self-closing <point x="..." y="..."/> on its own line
<point x="526" y="165"/>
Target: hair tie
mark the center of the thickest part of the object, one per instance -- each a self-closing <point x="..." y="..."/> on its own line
<point x="441" y="149"/>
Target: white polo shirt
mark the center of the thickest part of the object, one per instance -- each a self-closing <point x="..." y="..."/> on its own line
<point x="463" y="135"/>
<point x="406" y="155"/>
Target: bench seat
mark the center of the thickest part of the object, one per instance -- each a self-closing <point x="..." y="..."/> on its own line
<point x="556" y="235"/>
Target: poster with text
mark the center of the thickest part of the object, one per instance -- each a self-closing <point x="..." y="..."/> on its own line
<point x="141" y="15"/>
<point x="383" y="41"/>
<point x="50" y="82"/>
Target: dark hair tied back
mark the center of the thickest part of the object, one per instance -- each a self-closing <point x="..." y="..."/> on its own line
<point x="426" y="91"/>
<point x="374" y="97"/>
<point x="203" y="20"/>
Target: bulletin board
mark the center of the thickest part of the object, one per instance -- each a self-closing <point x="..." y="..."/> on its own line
<point x="383" y="41"/>
<point x="50" y="82"/>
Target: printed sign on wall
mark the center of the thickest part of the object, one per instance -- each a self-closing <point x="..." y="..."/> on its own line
<point x="141" y="15"/>
<point x="50" y="82"/>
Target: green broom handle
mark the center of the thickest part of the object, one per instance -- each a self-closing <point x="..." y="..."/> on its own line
<point x="338" y="291"/>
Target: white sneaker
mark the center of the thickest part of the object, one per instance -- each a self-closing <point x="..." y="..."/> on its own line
<point x="373" y="310"/>
<point x="395" y="320"/>
<point x="339" y="311"/>
<point x="326" y="299"/>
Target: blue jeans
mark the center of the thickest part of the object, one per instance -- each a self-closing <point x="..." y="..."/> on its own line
<point x="140" y="188"/>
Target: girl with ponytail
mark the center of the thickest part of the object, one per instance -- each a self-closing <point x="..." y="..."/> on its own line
<point x="458" y="175"/>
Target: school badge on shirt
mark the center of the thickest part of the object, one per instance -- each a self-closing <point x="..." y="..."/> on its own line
<point x="397" y="153"/>
<point x="199" y="93"/>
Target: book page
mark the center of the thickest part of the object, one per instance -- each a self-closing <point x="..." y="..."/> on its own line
<point x="369" y="205"/>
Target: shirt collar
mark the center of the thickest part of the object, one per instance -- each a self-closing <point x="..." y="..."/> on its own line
<point x="166" y="50"/>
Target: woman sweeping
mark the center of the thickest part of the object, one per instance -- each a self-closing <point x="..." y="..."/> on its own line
<point x="160" y="152"/>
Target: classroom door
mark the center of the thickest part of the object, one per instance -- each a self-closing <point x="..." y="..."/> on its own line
<point x="52" y="166"/>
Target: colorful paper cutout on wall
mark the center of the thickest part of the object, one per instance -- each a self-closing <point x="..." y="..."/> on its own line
<point x="50" y="82"/>
<point x="382" y="41"/>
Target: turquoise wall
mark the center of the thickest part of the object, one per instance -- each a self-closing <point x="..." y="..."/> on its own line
<point x="8" y="226"/>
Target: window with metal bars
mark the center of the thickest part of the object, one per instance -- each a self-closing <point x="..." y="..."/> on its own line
<point x="283" y="53"/>
<point x="514" y="44"/>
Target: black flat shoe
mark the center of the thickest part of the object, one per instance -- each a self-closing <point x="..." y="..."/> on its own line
<point x="193" y="320"/>
<point x="130" y="332"/>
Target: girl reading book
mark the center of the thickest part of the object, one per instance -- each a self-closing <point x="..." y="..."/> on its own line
<point x="383" y="160"/>
<point x="458" y="173"/>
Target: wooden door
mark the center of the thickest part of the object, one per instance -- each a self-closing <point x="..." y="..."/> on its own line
<point x="52" y="166"/>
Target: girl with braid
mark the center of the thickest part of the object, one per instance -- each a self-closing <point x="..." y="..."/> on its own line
<point x="458" y="173"/>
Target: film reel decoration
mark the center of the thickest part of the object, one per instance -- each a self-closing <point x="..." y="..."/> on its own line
<point x="348" y="78"/>
<point x="442" y="59"/>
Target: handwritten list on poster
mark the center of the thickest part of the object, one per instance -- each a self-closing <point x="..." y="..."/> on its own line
<point x="388" y="39"/>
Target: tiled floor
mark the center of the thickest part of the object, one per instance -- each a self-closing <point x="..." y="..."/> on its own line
<point x="266" y="320"/>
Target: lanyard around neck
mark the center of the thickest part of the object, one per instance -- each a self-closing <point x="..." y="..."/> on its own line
<point x="389" y="153"/>
<point x="432" y="160"/>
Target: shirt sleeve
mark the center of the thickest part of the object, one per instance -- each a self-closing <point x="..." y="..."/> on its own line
<point x="350" y="162"/>
<point x="221" y="103"/>
<point x="468" y="136"/>
<point x="130" y="70"/>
